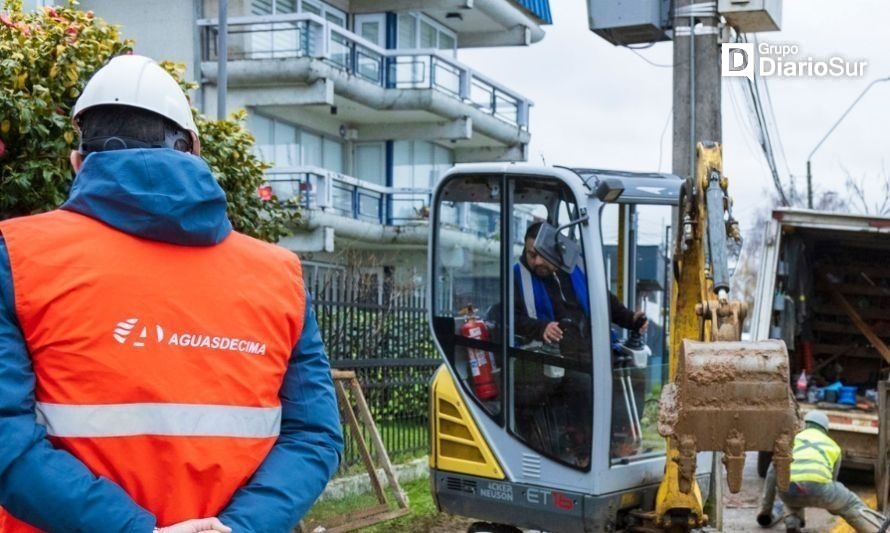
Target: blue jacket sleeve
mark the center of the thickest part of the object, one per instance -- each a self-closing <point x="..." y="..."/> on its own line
<point x="307" y="452"/>
<point x="43" y="486"/>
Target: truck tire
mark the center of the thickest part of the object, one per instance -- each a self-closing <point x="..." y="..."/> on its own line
<point x="763" y="461"/>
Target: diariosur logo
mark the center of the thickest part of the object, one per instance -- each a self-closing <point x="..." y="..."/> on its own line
<point x="131" y="331"/>
<point x="784" y="60"/>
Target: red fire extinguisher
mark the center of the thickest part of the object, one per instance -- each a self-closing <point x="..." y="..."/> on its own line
<point x="481" y="361"/>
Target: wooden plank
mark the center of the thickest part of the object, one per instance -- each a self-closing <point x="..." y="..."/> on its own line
<point x="882" y="467"/>
<point x="870" y="269"/>
<point x="352" y="526"/>
<point x="860" y="324"/>
<point x="868" y="314"/>
<point x="845" y="350"/>
<point x="356" y="515"/>
<point x="850" y="289"/>
<point x="343" y="374"/>
<point x="382" y="456"/>
<point x="360" y="440"/>
<point x="880" y="330"/>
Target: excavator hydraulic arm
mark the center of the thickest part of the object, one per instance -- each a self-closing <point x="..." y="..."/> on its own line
<point x="723" y="395"/>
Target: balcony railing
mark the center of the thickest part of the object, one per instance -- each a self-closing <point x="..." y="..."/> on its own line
<point x="307" y="35"/>
<point x="318" y="188"/>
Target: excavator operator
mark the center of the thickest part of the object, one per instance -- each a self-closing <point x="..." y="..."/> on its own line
<point x="552" y="307"/>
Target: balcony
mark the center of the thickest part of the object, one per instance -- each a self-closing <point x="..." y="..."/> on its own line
<point x="384" y="87"/>
<point x="335" y="200"/>
<point x="321" y="190"/>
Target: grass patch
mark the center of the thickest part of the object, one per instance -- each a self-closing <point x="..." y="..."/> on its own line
<point x="422" y="517"/>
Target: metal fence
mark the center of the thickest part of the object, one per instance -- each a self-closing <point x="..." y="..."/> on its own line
<point x="381" y="332"/>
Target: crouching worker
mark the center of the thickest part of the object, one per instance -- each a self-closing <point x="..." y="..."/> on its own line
<point x="814" y="468"/>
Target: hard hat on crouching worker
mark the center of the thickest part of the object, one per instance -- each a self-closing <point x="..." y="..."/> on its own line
<point x="815" y="453"/>
<point x="137" y="82"/>
<point x="817" y="417"/>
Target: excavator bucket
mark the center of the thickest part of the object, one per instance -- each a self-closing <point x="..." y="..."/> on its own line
<point x="730" y="397"/>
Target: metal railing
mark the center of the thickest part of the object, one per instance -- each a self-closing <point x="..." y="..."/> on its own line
<point x="319" y="188"/>
<point x="386" y="340"/>
<point x="307" y="35"/>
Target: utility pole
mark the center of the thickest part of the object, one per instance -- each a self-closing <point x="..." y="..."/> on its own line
<point x="683" y="111"/>
<point x="697" y="118"/>
<point x="696" y="81"/>
<point x="222" y="60"/>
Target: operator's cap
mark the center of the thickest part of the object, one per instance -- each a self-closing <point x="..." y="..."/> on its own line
<point x="137" y="81"/>
<point x="817" y="417"/>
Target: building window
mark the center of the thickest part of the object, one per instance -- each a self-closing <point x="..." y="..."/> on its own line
<point x="407" y="34"/>
<point x="287" y="145"/>
<point x="416" y="30"/>
<point x="324" y="10"/>
<point x="370" y="162"/>
<point x="416" y="165"/>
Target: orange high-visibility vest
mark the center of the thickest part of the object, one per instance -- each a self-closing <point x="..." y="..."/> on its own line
<point x="158" y="365"/>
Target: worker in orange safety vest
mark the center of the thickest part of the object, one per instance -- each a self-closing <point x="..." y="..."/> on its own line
<point x="160" y="371"/>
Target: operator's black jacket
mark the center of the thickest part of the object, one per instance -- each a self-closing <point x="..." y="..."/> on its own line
<point x="565" y="305"/>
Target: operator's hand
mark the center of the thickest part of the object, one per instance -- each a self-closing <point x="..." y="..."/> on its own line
<point x="552" y="333"/>
<point x="641" y="323"/>
<point x="197" y="525"/>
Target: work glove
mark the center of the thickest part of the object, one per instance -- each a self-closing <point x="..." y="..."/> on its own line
<point x="196" y="525"/>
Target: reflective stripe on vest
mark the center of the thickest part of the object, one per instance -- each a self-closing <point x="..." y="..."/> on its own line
<point x="815" y="455"/>
<point x="535" y="297"/>
<point x="150" y="354"/>
<point x="183" y="420"/>
<point x="528" y="291"/>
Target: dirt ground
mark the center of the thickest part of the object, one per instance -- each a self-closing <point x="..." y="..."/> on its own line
<point x="740" y="510"/>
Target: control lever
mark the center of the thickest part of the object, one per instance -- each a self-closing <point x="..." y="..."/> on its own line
<point x="630" y="354"/>
<point x="633" y="351"/>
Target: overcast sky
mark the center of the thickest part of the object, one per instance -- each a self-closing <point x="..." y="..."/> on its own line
<point x="603" y="106"/>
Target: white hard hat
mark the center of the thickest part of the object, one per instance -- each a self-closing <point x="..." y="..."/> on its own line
<point x="137" y="81"/>
<point x="817" y="417"/>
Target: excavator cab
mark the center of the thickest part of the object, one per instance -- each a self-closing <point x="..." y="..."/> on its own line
<point x="553" y="436"/>
<point x="605" y="429"/>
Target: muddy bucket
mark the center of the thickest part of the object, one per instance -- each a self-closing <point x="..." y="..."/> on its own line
<point x="731" y="397"/>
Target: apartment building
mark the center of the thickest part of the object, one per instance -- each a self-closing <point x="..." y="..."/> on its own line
<point x="359" y="105"/>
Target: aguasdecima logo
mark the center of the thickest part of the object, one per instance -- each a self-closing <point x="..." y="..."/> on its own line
<point x="126" y="331"/>
<point x="131" y="332"/>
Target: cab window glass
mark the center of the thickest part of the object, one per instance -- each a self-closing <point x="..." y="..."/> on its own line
<point x="468" y="283"/>
<point x="635" y="251"/>
<point x="549" y="359"/>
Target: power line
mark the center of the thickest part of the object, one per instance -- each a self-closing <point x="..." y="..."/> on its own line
<point x="765" y="140"/>
<point x="667" y="121"/>
<point x="775" y="121"/>
<point x="647" y="60"/>
<point x="769" y="104"/>
<point x="743" y="117"/>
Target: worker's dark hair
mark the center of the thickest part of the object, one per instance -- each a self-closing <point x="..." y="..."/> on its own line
<point x="116" y="127"/>
<point x="533" y="230"/>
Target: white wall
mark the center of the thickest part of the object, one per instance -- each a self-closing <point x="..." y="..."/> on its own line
<point x="161" y="29"/>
